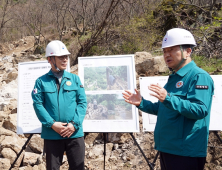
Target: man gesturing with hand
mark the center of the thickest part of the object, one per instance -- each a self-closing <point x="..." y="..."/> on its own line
<point x="183" y="107"/>
<point x="135" y="99"/>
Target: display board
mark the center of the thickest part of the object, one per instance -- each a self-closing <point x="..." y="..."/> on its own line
<point x="216" y="111"/>
<point x="28" y="72"/>
<point x="149" y="121"/>
<point x="105" y="78"/>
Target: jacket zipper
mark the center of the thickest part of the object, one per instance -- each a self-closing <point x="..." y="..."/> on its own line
<point x="57" y="96"/>
<point x="58" y="102"/>
<point x="60" y="84"/>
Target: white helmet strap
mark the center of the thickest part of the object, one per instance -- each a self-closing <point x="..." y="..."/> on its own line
<point x="54" y="63"/>
<point x="183" y="59"/>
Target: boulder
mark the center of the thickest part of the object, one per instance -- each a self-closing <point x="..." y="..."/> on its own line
<point x="3" y="107"/>
<point x="4" y="115"/>
<point x="11" y="155"/>
<point x="13" y="106"/>
<point x="35" y="167"/>
<point x="2" y="137"/>
<point x="118" y="137"/>
<point x="109" y="147"/>
<point x="8" y="153"/>
<point x="9" y="92"/>
<point x="217" y="154"/>
<point x="218" y="168"/>
<point x="2" y="68"/>
<point x="13" y="142"/>
<point x="209" y="158"/>
<point x="2" y="72"/>
<point x="97" y="152"/>
<point x="28" y="149"/>
<point x="160" y="64"/>
<point x="3" y="48"/>
<point x="33" y="57"/>
<point x="147" y="65"/>
<point x="41" y="167"/>
<point x="91" y="137"/>
<point x="8" y="67"/>
<point x="30" y="158"/>
<point x="142" y="56"/>
<point x="26" y="58"/>
<point x="29" y="167"/>
<point x="8" y="59"/>
<point x="6" y="132"/>
<point x="11" y="122"/>
<point x="36" y="144"/>
<point x="4" y="164"/>
<point x="12" y="76"/>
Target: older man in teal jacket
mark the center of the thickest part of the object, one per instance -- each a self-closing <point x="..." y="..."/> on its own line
<point x="183" y="109"/>
<point x="60" y="104"/>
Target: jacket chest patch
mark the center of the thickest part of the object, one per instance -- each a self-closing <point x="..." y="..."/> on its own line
<point x="68" y="83"/>
<point x="179" y="84"/>
<point x="201" y="87"/>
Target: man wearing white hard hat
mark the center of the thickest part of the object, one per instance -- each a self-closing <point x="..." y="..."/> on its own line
<point x="183" y="109"/>
<point x="60" y="104"/>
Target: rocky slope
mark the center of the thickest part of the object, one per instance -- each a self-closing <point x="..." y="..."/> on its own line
<point x="121" y="151"/>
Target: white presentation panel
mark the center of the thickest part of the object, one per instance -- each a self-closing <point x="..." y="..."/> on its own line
<point x="105" y="78"/>
<point x="216" y="111"/>
<point x="28" y="72"/>
<point x="149" y="121"/>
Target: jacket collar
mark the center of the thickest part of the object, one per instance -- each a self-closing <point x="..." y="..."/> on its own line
<point x="65" y="74"/>
<point x="184" y="70"/>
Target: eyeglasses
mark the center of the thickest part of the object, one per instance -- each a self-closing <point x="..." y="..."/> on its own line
<point x="63" y="57"/>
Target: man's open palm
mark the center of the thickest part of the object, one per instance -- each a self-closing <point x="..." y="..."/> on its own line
<point x="132" y="98"/>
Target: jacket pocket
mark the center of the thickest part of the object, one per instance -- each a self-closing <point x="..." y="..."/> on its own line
<point x="50" y="101"/>
<point x="70" y="92"/>
<point x="70" y="88"/>
<point x="48" y="89"/>
<point x="50" y="94"/>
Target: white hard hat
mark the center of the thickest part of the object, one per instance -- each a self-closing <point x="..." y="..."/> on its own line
<point x="178" y="36"/>
<point x="56" y="48"/>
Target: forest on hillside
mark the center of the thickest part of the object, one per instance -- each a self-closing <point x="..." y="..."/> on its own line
<point x="109" y="27"/>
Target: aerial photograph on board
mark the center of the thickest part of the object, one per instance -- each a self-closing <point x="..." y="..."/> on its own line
<point x="106" y="78"/>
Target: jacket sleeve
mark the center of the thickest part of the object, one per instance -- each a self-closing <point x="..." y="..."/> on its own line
<point x="38" y="100"/>
<point x="198" y="101"/>
<point x="81" y="105"/>
<point x="149" y="107"/>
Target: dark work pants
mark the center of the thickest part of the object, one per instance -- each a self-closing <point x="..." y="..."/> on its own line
<point x="75" y="151"/>
<point x="176" y="162"/>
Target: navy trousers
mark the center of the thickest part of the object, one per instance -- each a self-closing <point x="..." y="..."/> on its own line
<point x="75" y="151"/>
<point x="176" y="162"/>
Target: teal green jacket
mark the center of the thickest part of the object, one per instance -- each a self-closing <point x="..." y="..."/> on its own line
<point x="182" y="126"/>
<point x="67" y="105"/>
